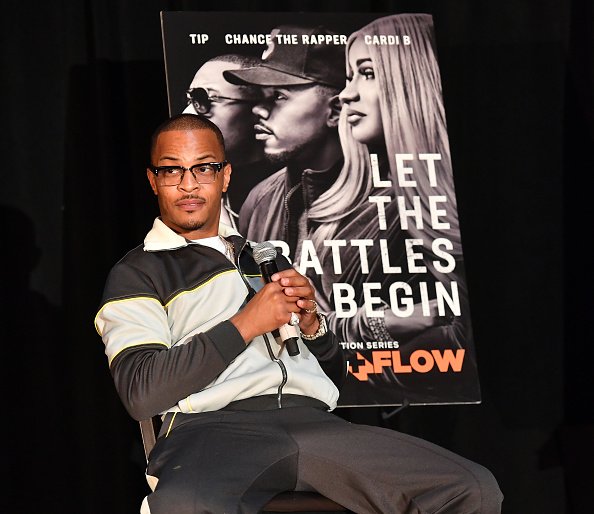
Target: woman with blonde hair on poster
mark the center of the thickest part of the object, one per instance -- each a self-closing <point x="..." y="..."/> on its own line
<point x="392" y="105"/>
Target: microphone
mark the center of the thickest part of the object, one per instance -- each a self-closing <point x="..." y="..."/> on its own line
<point x="264" y="255"/>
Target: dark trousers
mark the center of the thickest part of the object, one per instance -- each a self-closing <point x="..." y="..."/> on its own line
<point x="234" y="461"/>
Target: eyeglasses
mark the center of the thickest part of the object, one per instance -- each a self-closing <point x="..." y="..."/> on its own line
<point x="203" y="173"/>
<point x="202" y="100"/>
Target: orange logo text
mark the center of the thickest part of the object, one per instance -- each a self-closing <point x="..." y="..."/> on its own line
<point x="420" y="361"/>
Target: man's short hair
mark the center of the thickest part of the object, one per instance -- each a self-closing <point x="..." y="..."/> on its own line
<point x="244" y="61"/>
<point x="188" y="122"/>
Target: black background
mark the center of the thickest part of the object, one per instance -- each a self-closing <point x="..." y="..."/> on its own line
<point x="82" y="88"/>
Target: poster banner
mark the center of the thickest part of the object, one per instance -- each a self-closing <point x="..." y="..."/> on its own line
<point x="336" y="131"/>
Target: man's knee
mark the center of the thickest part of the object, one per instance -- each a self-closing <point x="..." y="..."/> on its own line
<point x="471" y="489"/>
<point x="490" y="495"/>
<point x="474" y="491"/>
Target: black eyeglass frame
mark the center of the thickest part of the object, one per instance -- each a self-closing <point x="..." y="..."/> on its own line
<point x="206" y="100"/>
<point x="218" y="166"/>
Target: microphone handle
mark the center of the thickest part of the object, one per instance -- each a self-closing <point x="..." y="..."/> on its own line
<point x="269" y="268"/>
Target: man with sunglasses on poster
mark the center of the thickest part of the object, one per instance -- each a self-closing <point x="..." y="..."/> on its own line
<point x="188" y="338"/>
<point x="297" y="122"/>
<point x="229" y="106"/>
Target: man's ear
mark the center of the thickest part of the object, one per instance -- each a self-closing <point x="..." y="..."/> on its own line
<point x="227" y="176"/>
<point x="335" y="106"/>
<point x="152" y="180"/>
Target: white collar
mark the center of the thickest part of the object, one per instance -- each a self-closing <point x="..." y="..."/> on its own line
<point x="161" y="237"/>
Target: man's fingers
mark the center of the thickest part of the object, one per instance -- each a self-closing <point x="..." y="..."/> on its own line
<point x="308" y="305"/>
<point x="289" y="277"/>
<point x="299" y="292"/>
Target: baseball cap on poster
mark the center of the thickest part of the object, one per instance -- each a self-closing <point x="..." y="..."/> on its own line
<point x="286" y="64"/>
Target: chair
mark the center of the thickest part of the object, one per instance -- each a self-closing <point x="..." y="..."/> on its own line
<point x="289" y="501"/>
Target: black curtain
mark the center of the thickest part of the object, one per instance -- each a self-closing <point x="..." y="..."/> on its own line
<point x="83" y="86"/>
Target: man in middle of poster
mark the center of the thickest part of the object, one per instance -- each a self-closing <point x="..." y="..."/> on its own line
<point x="297" y="123"/>
<point x="338" y="215"/>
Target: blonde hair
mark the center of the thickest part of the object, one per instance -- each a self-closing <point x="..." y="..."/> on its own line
<point x="413" y="119"/>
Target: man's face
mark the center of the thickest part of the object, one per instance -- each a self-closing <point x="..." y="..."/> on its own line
<point x="292" y="120"/>
<point x="190" y="209"/>
<point x="235" y="119"/>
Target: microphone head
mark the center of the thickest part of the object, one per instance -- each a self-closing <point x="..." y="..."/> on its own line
<point x="264" y="252"/>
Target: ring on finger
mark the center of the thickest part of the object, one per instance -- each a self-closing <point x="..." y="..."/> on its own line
<point x="294" y="319"/>
<point x="315" y="307"/>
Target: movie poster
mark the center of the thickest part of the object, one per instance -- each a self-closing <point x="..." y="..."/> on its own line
<point x="336" y="131"/>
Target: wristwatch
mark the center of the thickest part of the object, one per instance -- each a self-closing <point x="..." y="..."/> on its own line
<point x="322" y="329"/>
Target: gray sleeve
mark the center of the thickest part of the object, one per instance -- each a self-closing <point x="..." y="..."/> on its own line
<point x="150" y="378"/>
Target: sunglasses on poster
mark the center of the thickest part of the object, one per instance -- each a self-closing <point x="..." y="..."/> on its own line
<point x="202" y="100"/>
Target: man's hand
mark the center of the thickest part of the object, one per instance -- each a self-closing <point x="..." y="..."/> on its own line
<point x="289" y="292"/>
<point x="299" y="287"/>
